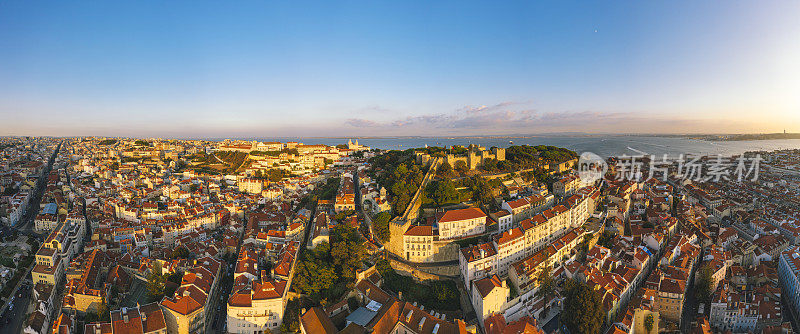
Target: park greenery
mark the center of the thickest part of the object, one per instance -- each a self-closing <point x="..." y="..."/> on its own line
<point x="439" y="295"/>
<point x="291" y="316"/>
<point x="402" y="182"/>
<point x="380" y="224"/>
<point x="107" y="142"/>
<point x="437" y="151"/>
<point x="399" y="173"/>
<point x="100" y="314"/>
<point x="233" y="159"/>
<point x="584" y="307"/>
<point x="322" y="191"/>
<point x="327" y="272"/>
<point x="179" y="253"/>
<point x="272" y="175"/>
<point x="524" y="156"/>
<point x="221" y="162"/>
<point x="606" y="239"/>
<point x="704" y="284"/>
<point x="442" y="192"/>
<point x="288" y="151"/>
<point x="445" y="171"/>
<point x="157" y="286"/>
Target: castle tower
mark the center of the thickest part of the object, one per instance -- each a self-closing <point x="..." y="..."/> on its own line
<point x="397" y="228"/>
<point x="500" y="154"/>
<point x="472" y="159"/>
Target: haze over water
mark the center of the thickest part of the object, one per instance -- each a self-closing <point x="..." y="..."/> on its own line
<point x="602" y="145"/>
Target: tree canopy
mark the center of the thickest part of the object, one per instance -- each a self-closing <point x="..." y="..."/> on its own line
<point x="445" y="171"/>
<point x="545" y="284"/>
<point x="648" y="323"/>
<point x="347" y="250"/>
<point x="380" y="225"/>
<point x="584" y="307"/>
<point x="315" y="273"/>
<point x="325" y="272"/>
<point x="441" y="192"/>
<point x="704" y="284"/>
<point x="403" y="183"/>
<point x="441" y="295"/>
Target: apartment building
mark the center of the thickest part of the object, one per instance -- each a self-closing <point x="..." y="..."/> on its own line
<point x="510" y="246"/>
<point x="258" y="307"/>
<point x="418" y="243"/>
<point x="461" y="223"/>
<point x="566" y="186"/>
<point x="185" y="312"/>
<point x="477" y="262"/>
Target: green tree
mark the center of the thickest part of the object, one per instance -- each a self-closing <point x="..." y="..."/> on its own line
<point x="445" y="171"/>
<point x="102" y="312"/>
<point x="704" y="283"/>
<point x="380" y="225"/>
<point x="291" y="317"/>
<point x="490" y="165"/>
<point x="648" y="323"/>
<point x="155" y="285"/>
<point x="180" y="253"/>
<point x="442" y="192"/>
<point x="114" y="293"/>
<point x="545" y="285"/>
<point x="584" y="307"/>
<point x="347" y="250"/>
<point x="461" y="167"/>
<point x="482" y="191"/>
<point x="315" y="273"/>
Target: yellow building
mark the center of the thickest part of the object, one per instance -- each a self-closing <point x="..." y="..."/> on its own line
<point x="48" y="268"/>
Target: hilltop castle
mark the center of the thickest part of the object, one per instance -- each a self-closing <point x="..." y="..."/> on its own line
<point x="475" y="156"/>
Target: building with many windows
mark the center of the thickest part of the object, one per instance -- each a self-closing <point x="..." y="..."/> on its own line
<point x="461" y="223"/>
<point x="476" y="262"/>
<point x="257" y="307"/>
<point x="788" y="269"/>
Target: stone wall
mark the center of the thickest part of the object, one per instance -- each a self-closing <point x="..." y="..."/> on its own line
<point x="399" y="225"/>
<point x="450" y="271"/>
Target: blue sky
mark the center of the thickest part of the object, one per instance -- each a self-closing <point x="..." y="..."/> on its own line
<point x="208" y="69"/>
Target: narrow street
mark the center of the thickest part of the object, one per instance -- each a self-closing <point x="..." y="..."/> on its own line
<point x="14" y="317"/>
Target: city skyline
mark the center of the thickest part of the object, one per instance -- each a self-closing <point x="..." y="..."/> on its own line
<point x="200" y="70"/>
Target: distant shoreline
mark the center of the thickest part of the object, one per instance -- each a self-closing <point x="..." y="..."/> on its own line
<point x="744" y="137"/>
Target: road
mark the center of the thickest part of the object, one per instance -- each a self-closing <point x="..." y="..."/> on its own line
<point x="220" y="315"/>
<point x="25" y="226"/>
<point x="14" y="318"/>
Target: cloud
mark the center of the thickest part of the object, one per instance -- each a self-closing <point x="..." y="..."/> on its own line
<point x="481" y="117"/>
<point x="374" y="108"/>
<point x="360" y="122"/>
<point x="511" y="117"/>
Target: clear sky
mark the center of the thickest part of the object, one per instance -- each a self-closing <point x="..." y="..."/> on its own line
<point x="337" y="68"/>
